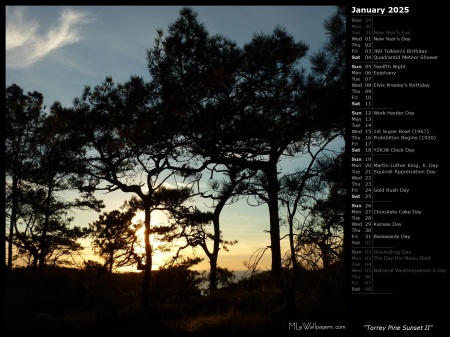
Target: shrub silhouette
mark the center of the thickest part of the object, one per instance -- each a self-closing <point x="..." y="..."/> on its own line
<point x="65" y="299"/>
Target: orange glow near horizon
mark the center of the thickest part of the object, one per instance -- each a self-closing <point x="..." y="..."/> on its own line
<point x="157" y="218"/>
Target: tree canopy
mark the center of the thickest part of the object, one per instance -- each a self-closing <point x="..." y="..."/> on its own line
<point x="212" y="111"/>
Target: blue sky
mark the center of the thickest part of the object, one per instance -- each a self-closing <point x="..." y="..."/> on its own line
<point x="57" y="50"/>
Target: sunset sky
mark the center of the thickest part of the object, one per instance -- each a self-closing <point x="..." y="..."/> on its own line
<point x="57" y="50"/>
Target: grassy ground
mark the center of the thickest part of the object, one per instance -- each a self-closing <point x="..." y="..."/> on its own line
<point x="78" y="300"/>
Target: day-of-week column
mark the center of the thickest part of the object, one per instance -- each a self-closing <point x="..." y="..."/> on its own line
<point x="361" y="156"/>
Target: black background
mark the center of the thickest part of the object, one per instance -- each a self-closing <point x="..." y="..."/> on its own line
<point x="416" y="299"/>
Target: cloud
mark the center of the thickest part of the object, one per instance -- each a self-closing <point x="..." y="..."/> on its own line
<point x="17" y="32"/>
<point x="25" y="44"/>
<point x="167" y="185"/>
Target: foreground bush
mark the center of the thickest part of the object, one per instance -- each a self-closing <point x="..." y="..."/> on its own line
<point x="89" y="300"/>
